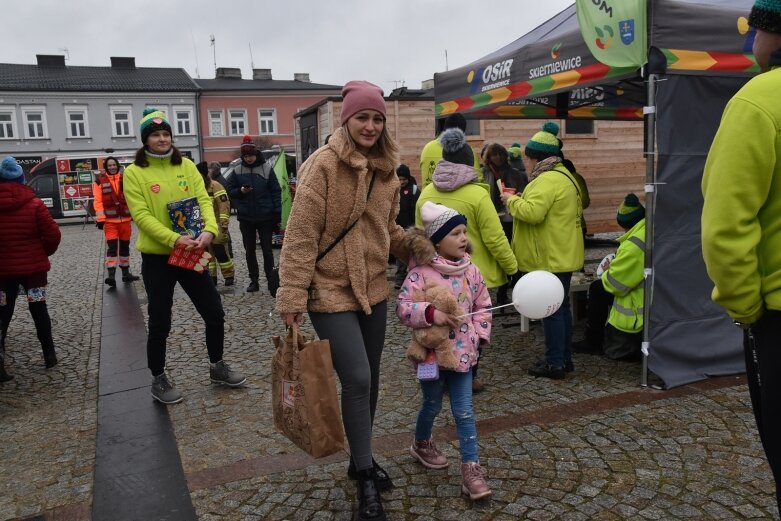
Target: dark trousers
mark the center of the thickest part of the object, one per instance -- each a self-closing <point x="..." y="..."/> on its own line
<point x="357" y="340"/>
<point x="263" y="229"/>
<point x="160" y="278"/>
<point x="558" y="329"/>
<point x="38" y="311"/>
<point x="763" y="370"/>
<point x="597" y="310"/>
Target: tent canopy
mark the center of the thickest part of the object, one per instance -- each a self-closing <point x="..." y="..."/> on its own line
<point x="701" y="53"/>
<point x="550" y="72"/>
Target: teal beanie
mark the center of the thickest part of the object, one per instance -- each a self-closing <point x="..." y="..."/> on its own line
<point x="545" y="141"/>
<point x="766" y="15"/>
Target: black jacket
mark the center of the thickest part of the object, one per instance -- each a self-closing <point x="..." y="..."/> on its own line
<point x="264" y="202"/>
<point x="408" y="198"/>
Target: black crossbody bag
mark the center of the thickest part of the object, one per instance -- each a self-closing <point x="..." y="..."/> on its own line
<point x="350" y="227"/>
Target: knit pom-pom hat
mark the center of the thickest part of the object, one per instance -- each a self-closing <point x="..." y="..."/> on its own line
<point x="153" y="120"/>
<point x="361" y="95"/>
<point x="455" y="148"/>
<point x="545" y="140"/>
<point x="439" y="220"/>
<point x="766" y="15"/>
<point x="11" y="171"/>
<point x="630" y="212"/>
<point x="248" y="146"/>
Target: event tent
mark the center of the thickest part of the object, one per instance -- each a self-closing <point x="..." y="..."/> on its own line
<point x="699" y="55"/>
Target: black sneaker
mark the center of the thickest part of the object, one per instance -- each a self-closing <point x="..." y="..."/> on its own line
<point x="229" y="281"/>
<point x="543" y="370"/>
<point x="111" y="282"/>
<point x="253" y="287"/>
<point x="381" y="478"/>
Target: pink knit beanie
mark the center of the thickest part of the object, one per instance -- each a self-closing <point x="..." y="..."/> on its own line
<point x="360" y="95"/>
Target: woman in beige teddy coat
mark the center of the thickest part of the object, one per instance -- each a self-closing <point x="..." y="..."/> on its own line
<point x="340" y="279"/>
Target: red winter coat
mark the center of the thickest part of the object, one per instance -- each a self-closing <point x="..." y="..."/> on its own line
<point x="28" y="234"/>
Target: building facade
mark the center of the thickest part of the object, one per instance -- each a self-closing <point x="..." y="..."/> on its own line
<point x="52" y="109"/>
<point x="232" y="107"/>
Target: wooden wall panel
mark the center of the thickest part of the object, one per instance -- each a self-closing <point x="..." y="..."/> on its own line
<point x="611" y="160"/>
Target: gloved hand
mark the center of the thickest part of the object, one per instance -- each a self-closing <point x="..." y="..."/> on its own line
<point x="99" y="225"/>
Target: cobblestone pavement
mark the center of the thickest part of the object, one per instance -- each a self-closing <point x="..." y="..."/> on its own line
<point x="592" y="446"/>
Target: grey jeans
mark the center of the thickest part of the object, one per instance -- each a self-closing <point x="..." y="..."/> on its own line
<point x="357" y="340"/>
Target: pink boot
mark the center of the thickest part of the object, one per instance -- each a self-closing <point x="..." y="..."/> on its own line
<point x="428" y="454"/>
<point x="474" y="484"/>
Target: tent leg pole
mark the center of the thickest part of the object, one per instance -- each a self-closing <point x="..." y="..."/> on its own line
<point x="650" y="196"/>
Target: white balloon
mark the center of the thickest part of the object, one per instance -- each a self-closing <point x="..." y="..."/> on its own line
<point x="538" y="294"/>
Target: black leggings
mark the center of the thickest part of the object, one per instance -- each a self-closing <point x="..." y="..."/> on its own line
<point x="38" y="311"/>
<point x="357" y="340"/>
<point x="762" y="347"/>
<point x="160" y="278"/>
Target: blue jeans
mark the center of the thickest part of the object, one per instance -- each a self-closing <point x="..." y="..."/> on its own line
<point x="558" y="329"/>
<point x="460" y="388"/>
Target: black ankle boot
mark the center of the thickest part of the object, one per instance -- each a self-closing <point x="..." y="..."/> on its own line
<point x="369" y="501"/>
<point x="111" y="280"/>
<point x="4" y="377"/>
<point x="381" y="478"/>
<point x="49" y="358"/>
<point x="127" y="276"/>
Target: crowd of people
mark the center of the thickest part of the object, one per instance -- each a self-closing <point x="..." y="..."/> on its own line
<point x="477" y="224"/>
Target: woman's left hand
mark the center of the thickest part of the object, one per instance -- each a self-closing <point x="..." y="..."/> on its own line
<point x="504" y="197"/>
<point x="204" y="240"/>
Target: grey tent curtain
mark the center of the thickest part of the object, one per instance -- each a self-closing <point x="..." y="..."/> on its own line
<point x="691" y="336"/>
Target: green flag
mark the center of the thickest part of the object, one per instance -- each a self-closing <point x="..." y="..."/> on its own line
<point x="280" y="168"/>
<point x="614" y="30"/>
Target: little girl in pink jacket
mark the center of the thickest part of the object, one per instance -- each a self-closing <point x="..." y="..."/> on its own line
<point x="444" y="239"/>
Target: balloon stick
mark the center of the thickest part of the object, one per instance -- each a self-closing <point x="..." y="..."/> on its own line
<point x="487" y="309"/>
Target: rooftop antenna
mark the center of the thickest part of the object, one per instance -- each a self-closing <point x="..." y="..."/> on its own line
<point x="195" y="52"/>
<point x="397" y="82"/>
<point x="446" y="68"/>
<point x="214" y="52"/>
<point x="251" y="62"/>
<point x="67" y="53"/>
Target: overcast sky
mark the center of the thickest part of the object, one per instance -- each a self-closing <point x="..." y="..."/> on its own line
<point x="334" y="41"/>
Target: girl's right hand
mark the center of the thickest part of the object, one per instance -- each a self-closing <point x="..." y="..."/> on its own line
<point x="445" y="319"/>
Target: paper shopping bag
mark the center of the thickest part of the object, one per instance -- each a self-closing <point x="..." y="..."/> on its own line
<point x="304" y="400"/>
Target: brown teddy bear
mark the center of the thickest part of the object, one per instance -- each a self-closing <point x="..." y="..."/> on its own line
<point x="435" y="337"/>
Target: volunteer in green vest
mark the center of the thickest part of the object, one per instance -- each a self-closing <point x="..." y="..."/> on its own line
<point x="547" y="236"/>
<point x="625" y="281"/>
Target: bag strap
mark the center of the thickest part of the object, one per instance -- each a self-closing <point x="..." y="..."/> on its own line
<point x="570" y="180"/>
<point x="346" y="230"/>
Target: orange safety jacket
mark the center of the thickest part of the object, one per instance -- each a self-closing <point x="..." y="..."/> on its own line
<point x="110" y="204"/>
